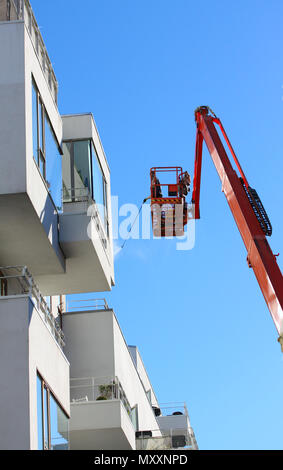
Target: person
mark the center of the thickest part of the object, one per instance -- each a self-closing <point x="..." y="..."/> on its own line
<point x="185" y="182"/>
<point x="155" y="183"/>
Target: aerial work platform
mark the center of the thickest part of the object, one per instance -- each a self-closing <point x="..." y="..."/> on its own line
<point x="168" y="189"/>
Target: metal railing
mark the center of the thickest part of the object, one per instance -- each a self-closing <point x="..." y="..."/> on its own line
<point x="81" y="194"/>
<point x="20" y="10"/>
<point x="173" y="419"/>
<point x="90" y="389"/>
<point x="174" y="408"/>
<point x="172" y="439"/>
<point x="11" y="10"/>
<point x="16" y="280"/>
<point x="87" y="304"/>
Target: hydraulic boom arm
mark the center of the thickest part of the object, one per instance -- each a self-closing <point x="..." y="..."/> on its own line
<point x="247" y="210"/>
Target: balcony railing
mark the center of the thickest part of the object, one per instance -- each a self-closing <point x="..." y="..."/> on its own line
<point x="11" y="10"/>
<point x="91" y="389"/>
<point x="16" y="281"/>
<point x="174" y="408"/>
<point x="173" y="419"/>
<point x="86" y="304"/>
<point x="172" y="439"/>
<point x="20" y="10"/>
<point x="76" y="195"/>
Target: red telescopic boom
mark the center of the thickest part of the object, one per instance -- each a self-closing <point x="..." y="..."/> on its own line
<point x="247" y="209"/>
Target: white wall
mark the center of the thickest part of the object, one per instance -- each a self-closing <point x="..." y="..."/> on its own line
<point x="26" y="345"/>
<point x="14" y="376"/>
<point x="89" y="343"/>
<point x="126" y="371"/>
<point x="12" y="109"/>
<point x="143" y="373"/>
<point x="95" y="347"/>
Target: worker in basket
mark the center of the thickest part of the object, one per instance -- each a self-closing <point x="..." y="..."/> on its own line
<point x="155" y="183"/>
<point x="184" y="184"/>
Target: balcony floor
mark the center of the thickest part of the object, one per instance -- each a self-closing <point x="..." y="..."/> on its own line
<point x="101" y="425"/>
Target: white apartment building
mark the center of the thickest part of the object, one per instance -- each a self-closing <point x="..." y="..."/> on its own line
<point x="68" y="380"/>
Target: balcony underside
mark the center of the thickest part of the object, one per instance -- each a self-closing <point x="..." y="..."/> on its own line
<point x="27" y="239"/>
<point x="101" y="425"/>
<point x="88" y="268"/>
<point x="83" y="274"/>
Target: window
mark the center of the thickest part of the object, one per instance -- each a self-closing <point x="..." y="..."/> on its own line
<point x="46" y="151"/>
<point x="53" y="164"/>
<point x="99" y="189"/>
<point x="58" y="426"/>
<point x="40" y="431"/>
<point x="82" y="165"/>
<point x="35" y="122"/>
<point x="134" y="417"/>
<point x="148" y="394"/>
<point x="52" y="422"/>
<point x="82" y="171"/>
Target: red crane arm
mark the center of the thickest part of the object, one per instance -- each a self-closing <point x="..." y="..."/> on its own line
<point x="239" y="197"/>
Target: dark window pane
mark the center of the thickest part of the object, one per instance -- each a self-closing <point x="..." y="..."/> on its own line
<point x="82" y="166"/>
<point x="41" y="164"/>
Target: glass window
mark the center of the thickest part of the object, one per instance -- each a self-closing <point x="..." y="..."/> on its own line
<point x="82" y="166"/>
<point x="42" y="164"/>
<point x="45" y="418"/>
<point x="45" y="148"/>
<point x="40" y="126"/>
<point x="58" y="426"/>
<point x="52" y="422"/>
<point x="77" y="180"/>
<point x="53" y="165"/>
<point x="34" y="122"/>
<point x="39" y="414"/>
<point x="81" y="170"/>
<point x="67" y="173"/>
<point x="99" y="188"/>
<point x="134" y="418"/>
<point x="148" y="394"/>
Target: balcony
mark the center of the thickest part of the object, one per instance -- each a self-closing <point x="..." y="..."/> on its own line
<point x="173" y="420"/>
<point x="82" y="238"/>
<point x="100" y="415"/>
<point x="16" y="281"/>
<point x="30" y="138"/>
<point x="85" y="225"/>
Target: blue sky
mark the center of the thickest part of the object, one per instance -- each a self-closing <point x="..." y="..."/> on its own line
<point x="198" y="316"/>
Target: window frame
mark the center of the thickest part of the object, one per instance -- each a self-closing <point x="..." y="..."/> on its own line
<point x="105" y="189"/>
<point x="93" y="154"/>
<point x="42" y="116"/>
<point x="45" y="414"/>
